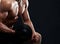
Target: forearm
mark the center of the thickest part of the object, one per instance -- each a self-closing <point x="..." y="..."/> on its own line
<point x="4" y="28"/>
<point x="29" y="23"/>
<point x="27" y="20"/>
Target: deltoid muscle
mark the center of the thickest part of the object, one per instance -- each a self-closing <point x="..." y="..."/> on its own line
<point x="14" y="7"/>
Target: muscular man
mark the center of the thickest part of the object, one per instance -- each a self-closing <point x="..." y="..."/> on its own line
<point x="9" y="12"/>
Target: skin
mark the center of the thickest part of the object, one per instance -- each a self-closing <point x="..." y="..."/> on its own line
<point x="7" y="14"/>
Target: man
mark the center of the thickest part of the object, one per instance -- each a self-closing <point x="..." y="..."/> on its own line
<point x="9" y="12"/>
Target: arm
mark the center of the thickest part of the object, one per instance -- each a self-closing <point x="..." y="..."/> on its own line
<point x="5" y="6"/>
<point x="3" y="27"/>
<point x="36" y="37"/>
<point x="26" y="17"/>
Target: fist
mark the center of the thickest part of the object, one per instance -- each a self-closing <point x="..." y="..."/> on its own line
<point x="36" y="38"/>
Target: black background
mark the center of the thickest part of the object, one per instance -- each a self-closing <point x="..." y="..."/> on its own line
<point x="45" y="15"/>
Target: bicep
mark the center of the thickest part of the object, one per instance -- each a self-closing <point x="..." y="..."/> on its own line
<point x="26" y="3"/>
<point x="25" y="15"/>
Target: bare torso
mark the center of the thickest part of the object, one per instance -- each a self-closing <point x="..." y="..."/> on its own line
<point x="9" y="20"/>
<point x="9" y="10"/>
<point x="8" y="17"/>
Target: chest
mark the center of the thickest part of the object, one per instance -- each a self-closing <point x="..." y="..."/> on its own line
<point x="8" y="19"/>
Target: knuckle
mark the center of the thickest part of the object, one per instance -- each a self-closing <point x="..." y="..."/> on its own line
<point x="39" y="36"/>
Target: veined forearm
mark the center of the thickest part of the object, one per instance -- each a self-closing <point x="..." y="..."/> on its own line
<point x="4" y="28"/>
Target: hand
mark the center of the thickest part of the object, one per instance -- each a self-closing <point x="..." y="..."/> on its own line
<point x="11" y="30"/>
<point x="36" y="37"/>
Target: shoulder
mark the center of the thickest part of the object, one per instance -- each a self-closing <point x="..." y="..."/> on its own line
<point x="26" y="2"/>
<point x="6" y="4"/>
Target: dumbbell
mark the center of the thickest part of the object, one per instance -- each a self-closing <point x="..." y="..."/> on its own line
<point x="23" y="32"/>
